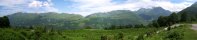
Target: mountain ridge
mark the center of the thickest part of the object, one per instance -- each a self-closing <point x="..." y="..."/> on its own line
<point x="153" y="13"/>
<point x="97" y="20"/>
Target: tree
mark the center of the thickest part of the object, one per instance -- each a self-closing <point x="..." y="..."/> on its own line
<point x="162" y="21"/>
<point x="174" y="35"/>
<point x="4" y="22"/>
<point x="120" y="36"/>
<point x="173" y="18"/>
<point x="184" y="17"/>
<point x="139" y="26"/>
<point x="155" y="24"/>
<point x="140" y="37"/>
<point x="88" y="27"/>
<point x="103" y="37"/>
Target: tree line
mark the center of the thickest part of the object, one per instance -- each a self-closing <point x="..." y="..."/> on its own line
<point x="162" y="21"/>
<point x="4" y="22"/>
<point x="174" y="18"/>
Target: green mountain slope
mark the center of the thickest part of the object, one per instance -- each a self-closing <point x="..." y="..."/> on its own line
<point x="189" y="14"/>
<point x="49" y="20"/>
<point x="118" y="18"/>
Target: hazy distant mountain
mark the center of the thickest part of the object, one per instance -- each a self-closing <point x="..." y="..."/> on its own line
<point x="154" y="13"/>
<point x="117" y="17"/>
<point x="55" y="20"/>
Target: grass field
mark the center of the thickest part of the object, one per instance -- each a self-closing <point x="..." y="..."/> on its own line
<point x="183" y="32"/>
<point x="180" y="33"/>
<point x="84" y="34"/>
<point x="89" y="34"/>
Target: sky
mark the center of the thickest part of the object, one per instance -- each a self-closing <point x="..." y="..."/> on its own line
<point x="86" y="7"/>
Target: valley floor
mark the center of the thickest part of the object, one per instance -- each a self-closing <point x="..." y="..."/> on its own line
<point x="182" y="32"/>
<point x="84" y="34"/>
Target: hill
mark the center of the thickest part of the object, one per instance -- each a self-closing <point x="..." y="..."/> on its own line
<point x="49" y="20"/>
<point x="189" y="14"/>
<point x="152" y="14"/>
<point x="117" y="18"/>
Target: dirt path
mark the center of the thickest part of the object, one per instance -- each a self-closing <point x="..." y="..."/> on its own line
<point x="194" y="26"/>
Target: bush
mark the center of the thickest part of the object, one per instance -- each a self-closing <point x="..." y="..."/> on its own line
<point x="120" y="36"/>
<point x="174" y="35"/>
<point x="103" y="37"/>
<point x="140" y="37"/>
<point x="4" y="22"/>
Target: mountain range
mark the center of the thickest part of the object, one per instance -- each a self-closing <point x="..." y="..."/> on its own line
<point x="97" y="20"/>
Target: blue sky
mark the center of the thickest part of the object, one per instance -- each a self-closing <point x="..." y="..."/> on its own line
<point x="86" y="7"/>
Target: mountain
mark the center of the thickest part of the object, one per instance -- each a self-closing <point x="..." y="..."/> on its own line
<point x="189" y="13"/>
<point x="96" y="20"/>
<point x="117" y="17"/>
<point x="49" y="20"/>
<point x="190" y="10"/>
<point x="152" y="14"/>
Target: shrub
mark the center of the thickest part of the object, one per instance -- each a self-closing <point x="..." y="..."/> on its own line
<point x="174" y="35"/>
<point x="103" y="37"/>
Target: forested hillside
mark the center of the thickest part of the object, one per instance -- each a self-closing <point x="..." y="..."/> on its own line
<point x="97" y="20"/>
<point x="48" y="20"/>
<point x="116" y="18"/>
<point x="189" y="14"/>
<point x="73" y="21"/>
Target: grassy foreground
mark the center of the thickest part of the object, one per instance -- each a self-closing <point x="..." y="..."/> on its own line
<point x="84" y="34"/>
<point x="89" y="34"/>
<point x="183" y="32"/>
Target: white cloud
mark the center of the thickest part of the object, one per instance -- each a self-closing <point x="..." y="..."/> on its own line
<point x="173" y="6"/>
<point x="36" y="4"/>
<point x="86" y="7"/>
<point x="13" y="2"/>
<point x="47" y="6"/>
<point x="12" y="6"/>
